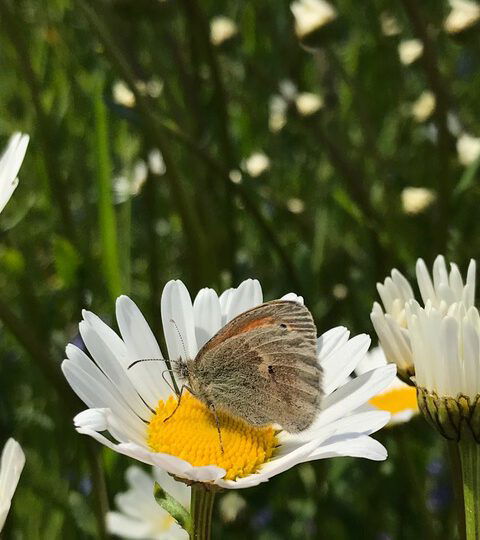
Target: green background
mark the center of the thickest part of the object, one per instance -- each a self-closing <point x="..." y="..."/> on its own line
<point x="67" y="242"/>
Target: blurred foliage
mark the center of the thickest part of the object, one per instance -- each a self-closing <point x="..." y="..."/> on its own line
<point x="93" y="218"/>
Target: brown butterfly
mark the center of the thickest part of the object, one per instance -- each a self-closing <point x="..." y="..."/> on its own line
<point x="261" y="366"/>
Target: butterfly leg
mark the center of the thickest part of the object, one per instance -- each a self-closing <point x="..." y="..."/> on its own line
<point x="217" y="423"/>
<point x="179" y="400"/>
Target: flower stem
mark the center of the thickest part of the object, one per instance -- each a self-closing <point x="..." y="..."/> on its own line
<point x="201" y="510"/>
<point x="456" y="468"/>
<point x="470" y="458"/>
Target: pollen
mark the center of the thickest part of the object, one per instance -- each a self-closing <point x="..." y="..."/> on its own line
<point x="396" y="400"/>
<point x="191" y="434"/>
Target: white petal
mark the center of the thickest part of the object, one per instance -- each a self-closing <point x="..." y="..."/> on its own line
<point x="98" y="394"/>
<point x="246" y="296"/>
<point x="10" y="164"/>
<point x="424" y="282"/>
<point x="11" y="466"/>
<point x="141" y="344"/>
<point x="470" y="300"/>
<point x="113" y="369"/>
<point x="331" y="341"/>
<point x="178" y="321"/>
<point x="356" y="392"/>
<point x="338" y="366"/>
<point x="95" y="419"/>
<point x="208" y="316"/>
<point x="293" y="298"/>
<point x="361" y="446"/>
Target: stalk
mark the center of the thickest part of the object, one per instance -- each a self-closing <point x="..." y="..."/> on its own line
<point x="470" y="458"/>
<point x="201" y="511"/>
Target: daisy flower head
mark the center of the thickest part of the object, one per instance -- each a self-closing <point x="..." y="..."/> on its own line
<point x="440" y="337"/>
<point x="10" y="163"/>
<point x="139" y="515"/>
<point x="128" y="407"/>
<point x="11" y="466"/>
<point x="441" y="290"/>
<point x="399" y="398"/>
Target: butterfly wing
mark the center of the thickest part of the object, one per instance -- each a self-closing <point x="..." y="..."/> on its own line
<point x="262" y="366"/>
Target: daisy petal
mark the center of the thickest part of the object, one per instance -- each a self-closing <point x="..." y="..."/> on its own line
<point x="208" y="316"/>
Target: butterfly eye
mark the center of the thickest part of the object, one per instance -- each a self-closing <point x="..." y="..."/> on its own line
<point x="283" y="325"/>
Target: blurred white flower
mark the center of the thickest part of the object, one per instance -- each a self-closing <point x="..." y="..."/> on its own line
<point x="256" y="164"/>
<point x="154" y="88"/>
<point x="123" y="95"/>
<point x="156" y="162"/>
<point x="468" y="149"/>
<point x="399" y="399"/>
<point x="277" y="113"/>
<point x="10" y="163"/>
<point x="340" y="291"/>
<point x="417" y="199"/>
<point x="231" y="505"/>
<point x="11" y="466"/>
<point x="389" y="24"/>
<point x="423" y="108"/>
<point x="410" y="50"/>
<point x="126" y="186"/>
<point x="288" y="89"/>
<point x="308" y="103"/>
<point x="295" y="205"/>
<point x="222" y="29"/>
<point x="135" y="402"/>
<point x="139" y="516"/>
<point x="463" y="15"/>
<point x="235" y="176"/>
<point x="310" y="15"/>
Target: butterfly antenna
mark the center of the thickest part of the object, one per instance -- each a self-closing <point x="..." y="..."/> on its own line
<point x="181" y="338"/>
<point x="145" y="360"/>
<point x="166" y="380"/>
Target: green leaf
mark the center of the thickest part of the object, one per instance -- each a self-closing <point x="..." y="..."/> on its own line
<point x="173" y="507"/>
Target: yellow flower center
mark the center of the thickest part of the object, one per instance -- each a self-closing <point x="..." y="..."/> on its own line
<point x="396" y="400"/>
<point x="191" y="434"/>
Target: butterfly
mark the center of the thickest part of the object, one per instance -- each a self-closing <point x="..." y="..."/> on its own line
<point x="261" y="366"/>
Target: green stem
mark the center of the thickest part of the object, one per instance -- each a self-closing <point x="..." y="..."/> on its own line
<point x="470" y="458"/>
<point x="456" y="468"/>
<point x="201" y="511"/>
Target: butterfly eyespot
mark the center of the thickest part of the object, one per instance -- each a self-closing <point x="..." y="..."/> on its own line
<point x="270" y="370"/>
<point x="283" y="325"/>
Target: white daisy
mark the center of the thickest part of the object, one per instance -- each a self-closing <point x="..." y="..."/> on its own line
<point x="310" y="15"/>
<point x="11" y="466"/>
<point x="222" y="29"/>
<point x="131" y="403"/>
<point x="446" y="348"/>
<point x="410" y="50"/>
<point x="139" y="515"/>
<point x="10" y="164"/>
<point x="399" y="399"/>
<point x="417" y="199"/>
<point x="256" y="164"/>
<point x="446" y="289"/>
<point x="463" y="15"/>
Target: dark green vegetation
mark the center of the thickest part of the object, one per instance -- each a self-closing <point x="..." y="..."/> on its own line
<point x="67" y="241"/>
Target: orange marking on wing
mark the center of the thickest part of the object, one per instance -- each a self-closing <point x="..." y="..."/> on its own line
<point x="258" y="323"/>
<point x="236" y="330"/>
